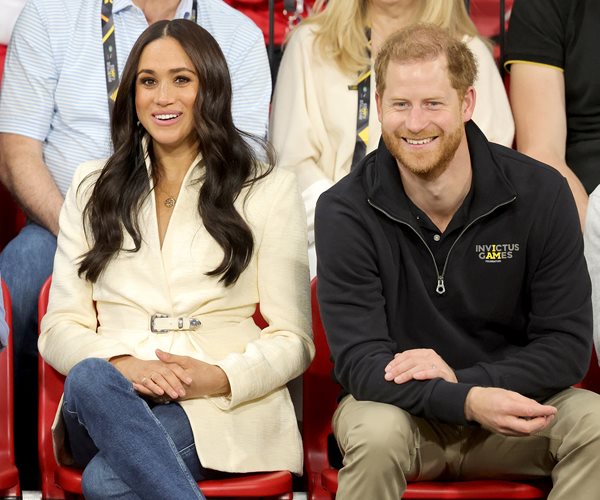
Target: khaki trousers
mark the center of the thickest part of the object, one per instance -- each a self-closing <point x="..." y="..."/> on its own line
<point x="384" y="447"/>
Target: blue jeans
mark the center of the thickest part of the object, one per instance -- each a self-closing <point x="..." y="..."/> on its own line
<point x="129" y="449"/>
<point x="25" y="263"/>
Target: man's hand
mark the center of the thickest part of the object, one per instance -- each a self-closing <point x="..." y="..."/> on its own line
<point x="205" y="379"/>
<point x="507" y="412"/>
<point x="418" y="364"/>
<point x="154" y="378"/>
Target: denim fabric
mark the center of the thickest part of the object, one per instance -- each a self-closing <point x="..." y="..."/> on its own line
<point x="129" y="450"/>
<point x="3" y="325"/>
<point x="25" y="263"/>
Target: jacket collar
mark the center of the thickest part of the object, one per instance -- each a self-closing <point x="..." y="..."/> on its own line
<point x="491" y="188"/>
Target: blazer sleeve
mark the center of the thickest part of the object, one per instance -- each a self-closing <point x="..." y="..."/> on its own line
<point x="492" y="110"/>
<point x="69" y="328"/>
<point x="285" y="348"/>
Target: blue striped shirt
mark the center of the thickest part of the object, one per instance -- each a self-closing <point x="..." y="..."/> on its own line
<point x="54" y="87"/>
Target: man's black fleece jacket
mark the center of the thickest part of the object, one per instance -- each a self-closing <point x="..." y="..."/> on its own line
<point x="515" y="311"/>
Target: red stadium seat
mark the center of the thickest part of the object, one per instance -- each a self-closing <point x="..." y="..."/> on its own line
<point x="486" y="16"/>
<point x="13" y="218"/>
<point x="258" y="11"/>
<point x="9" y="476"/>
<point x="61" y="482"/>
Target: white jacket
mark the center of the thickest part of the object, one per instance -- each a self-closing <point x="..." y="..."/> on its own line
<point x="255" y="429"/>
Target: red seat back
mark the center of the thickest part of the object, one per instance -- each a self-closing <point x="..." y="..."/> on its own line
<point x="258" y="11"/>
<point x="50" y="386"/>
<point x="591" y="381"/>
<point x="486" y="15"/>
<point x="320" y="394"/>
<point x="9" y="477"/>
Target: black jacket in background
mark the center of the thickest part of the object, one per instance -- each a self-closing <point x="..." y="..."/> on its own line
<point x="516" y="310"/>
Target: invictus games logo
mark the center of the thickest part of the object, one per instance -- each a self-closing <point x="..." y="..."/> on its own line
<point x="497" y="252"/>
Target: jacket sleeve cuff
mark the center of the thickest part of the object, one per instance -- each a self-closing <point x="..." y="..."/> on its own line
<point x="447" y="402"/>
<point x="237" y="392"/>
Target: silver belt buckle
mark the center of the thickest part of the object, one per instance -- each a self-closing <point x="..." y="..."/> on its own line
<point x="175" y="324"/>
<point x="153" y="318"/>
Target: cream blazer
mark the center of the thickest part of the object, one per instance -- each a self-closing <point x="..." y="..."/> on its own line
<point x="254" y="429"/>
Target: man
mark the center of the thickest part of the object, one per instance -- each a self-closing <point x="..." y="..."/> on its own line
<point x="552" y="55"/>
<point x="54" y="115"/>
<point x="455" y="296"/>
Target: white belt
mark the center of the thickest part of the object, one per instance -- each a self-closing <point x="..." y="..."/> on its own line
<point x="163" y="323"/>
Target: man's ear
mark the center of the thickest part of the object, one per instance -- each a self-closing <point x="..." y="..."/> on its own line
<point x="378" y="103"/>
<point x="468" y="104"/>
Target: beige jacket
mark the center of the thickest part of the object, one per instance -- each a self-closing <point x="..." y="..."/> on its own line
<point x="313" y="115"/>
<point x="255" y="429"/>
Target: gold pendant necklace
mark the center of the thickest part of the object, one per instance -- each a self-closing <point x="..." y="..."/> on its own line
<point x="170" y="200"/>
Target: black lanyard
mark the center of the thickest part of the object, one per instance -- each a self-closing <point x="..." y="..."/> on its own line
<point x="111" y="66"/>
<point x="363" y="88"/>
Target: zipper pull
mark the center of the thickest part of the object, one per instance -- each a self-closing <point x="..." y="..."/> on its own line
<point x="440" y="289"/>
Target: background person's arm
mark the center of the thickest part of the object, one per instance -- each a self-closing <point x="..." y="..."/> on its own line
<point x="541" y="122"/>
<point x="27" y="106"/>
<point x="24" y="173"/>
<point x="492" y="113"/>
<point x="592" y="255"/>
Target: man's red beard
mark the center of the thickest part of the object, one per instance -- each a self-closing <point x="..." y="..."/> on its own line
<point x="427" y="164"/>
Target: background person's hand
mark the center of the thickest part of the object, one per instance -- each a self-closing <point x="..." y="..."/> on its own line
<point x="507" y="412"/>
<point x="418" y="364"/>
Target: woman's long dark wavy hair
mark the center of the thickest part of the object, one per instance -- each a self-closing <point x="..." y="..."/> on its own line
<point x="230" y="164"/>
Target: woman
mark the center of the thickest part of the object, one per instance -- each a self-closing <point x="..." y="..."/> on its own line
<point x="164" y="252"/>
<point x="314" y="120"/>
